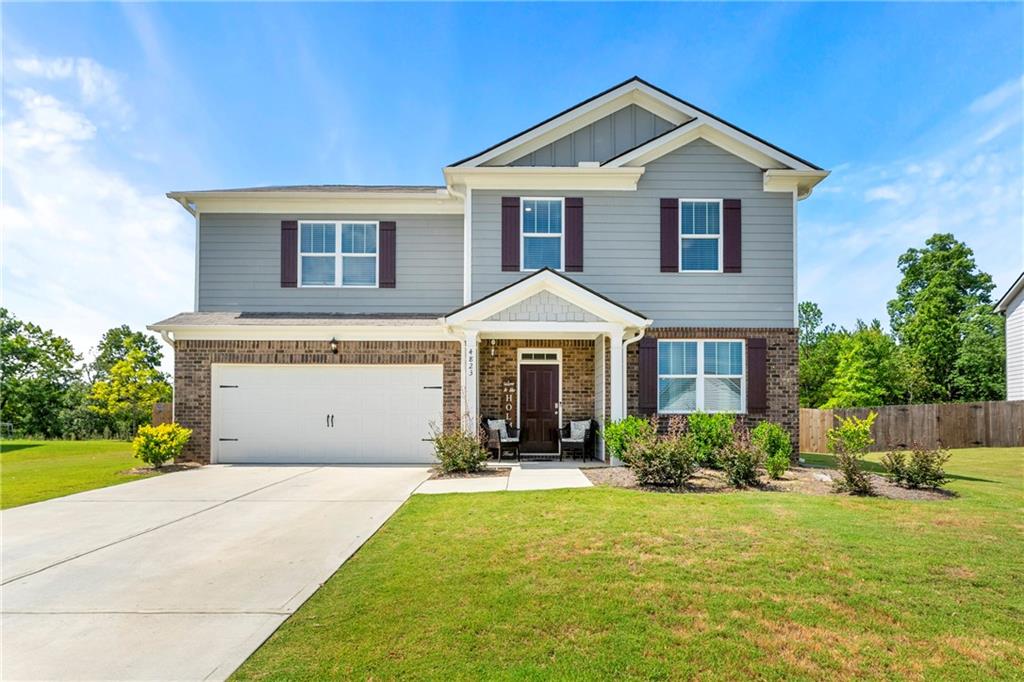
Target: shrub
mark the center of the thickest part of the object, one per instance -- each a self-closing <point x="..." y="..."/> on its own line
<point x="661" y="460"/>
<point x="775" y="446"/>
<point x="740" y="459"/>
<point x="710" y="433"/>
<point x="922" y="470"/>
<point x="458" y="451"/>
<point x="156" y="445"/>
<point x="618" y="435"/>
<point x="849" y="442"/>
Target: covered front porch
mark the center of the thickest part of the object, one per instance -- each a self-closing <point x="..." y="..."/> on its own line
<point x="540" y="355"/>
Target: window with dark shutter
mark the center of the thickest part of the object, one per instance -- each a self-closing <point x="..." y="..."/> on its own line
<point x="732" y="234"/>
<point x="510" y="234"/>
<point x="670" y="235"/>
<point x="757" y="375"/>
<point x="574" y="234"/>
<point x="648" y="370"/>
<point x="289" y="253"/>
<point x="387" y="254"/>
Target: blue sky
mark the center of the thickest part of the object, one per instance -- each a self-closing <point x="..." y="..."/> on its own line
<point x="916" y="108"/>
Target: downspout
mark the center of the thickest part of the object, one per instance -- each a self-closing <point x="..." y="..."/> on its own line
<point x="467" y="240"/>
<point x="625" y="366"/>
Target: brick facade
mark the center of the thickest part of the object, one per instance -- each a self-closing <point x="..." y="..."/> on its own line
<point x="783" y="368"/>
<point x="499" y="373"/>
<point x="192" y="360"/>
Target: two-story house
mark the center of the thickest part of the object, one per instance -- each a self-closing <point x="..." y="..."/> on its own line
<point x="633" y="254"/>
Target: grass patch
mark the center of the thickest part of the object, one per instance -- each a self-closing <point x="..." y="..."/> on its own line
<point x="32" y="471"/>
<point x="608" y="583"/>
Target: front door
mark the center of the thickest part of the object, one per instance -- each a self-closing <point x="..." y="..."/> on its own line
<point x="538" y="407"/>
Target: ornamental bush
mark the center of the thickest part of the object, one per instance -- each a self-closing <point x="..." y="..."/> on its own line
<point x="662" y="460"/>
<point x="849" y="442"/>
<point x="619" y="435"/>
<point x="710" y="433"/>
<point x="922" y="470"/>
<point x="458" y="451"/>
<point x="156" y="445"/>
<point x="739" y="460"/>
<point x="776" y="448"/>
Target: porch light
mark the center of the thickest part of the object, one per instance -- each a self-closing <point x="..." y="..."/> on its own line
<point x="334" y="346"/>
<point x="492" y="348"/>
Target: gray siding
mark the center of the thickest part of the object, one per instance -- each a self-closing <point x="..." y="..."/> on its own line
<point x="603" y="139"/>
<point x="622" y="244"/>
<point x="240" y="262"/>
<point x="1015" y="349"/>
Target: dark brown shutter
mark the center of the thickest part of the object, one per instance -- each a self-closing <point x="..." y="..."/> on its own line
<point x="510" y="234"/>
<point x="573" y="234"/>
<point x="732" y="234"/>
<point x="757" y="375"/>
<point x="670" y="235"/>
<point x="387" y="254"/>
<point x="648" y="347"/>
<point x="289" y="253"/>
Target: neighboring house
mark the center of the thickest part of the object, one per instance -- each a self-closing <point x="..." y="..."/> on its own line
<point x="633" y="254"/>
<point x="1011" y="305"/>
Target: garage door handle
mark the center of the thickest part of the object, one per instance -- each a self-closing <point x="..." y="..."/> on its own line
<point x="235" y="440"/>
<point x="434" y="387"/>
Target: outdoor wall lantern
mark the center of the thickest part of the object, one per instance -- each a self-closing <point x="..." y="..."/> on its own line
<point x="334" y="346"/>
<point x="492" y="348"/>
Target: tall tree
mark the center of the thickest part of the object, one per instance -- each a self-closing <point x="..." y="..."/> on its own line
<point x="819" y="348"/>
<point x="936" y="309"/>
<point x="129" y="393"/>
<point x="115" y="345"/>
<point x="36" y="368"/>
<point x="867" y="372"/>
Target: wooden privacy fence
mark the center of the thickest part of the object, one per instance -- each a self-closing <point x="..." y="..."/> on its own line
<point x="951" y="425"/>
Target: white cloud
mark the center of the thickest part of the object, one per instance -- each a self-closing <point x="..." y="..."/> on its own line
<point x="86" y="246"/>
<point x="97" y="85"/>
<point x="964" y="184"/>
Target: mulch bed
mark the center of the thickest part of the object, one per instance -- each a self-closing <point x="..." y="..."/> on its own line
<point x="798" y="479"/>
<point x="165" y="469"/>
<point x="488" y="472"/>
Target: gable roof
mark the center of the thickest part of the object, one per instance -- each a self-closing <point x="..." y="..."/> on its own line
<point x="1015" y="290"/>
<point x="679" y="112"/>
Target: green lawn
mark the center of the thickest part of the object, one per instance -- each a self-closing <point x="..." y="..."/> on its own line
<point x="35" y="470"/>
<point x="607" y="583"/>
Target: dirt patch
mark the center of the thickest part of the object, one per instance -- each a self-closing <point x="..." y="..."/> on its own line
<point x="489" y="472"/>
<point x="165" y="469"/>
<point x="798" y="479"/>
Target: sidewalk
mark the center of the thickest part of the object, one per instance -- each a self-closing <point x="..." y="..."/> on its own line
<point x="523" y="476"/>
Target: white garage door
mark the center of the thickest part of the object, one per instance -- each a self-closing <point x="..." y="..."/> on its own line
<point x="336" y="414"/>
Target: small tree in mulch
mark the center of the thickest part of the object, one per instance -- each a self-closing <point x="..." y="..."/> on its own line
<point x="156" y="445"/>
<point x="849" y="442"/>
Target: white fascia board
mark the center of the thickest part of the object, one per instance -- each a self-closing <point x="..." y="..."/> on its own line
<point x="442" y="203"/>
<point x="544" y="177"/>
<point x="1015" y="290"/>
<point x="559" y="286"/>
<point x="518" y="330"/>
<point x="304" y="332"/>
<point x="787" y="180"/>
<point x="580" y="117"/>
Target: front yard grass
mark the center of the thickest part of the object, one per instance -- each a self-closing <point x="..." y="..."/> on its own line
<point x="36" y="470"/>
<point x="608" y="583"/>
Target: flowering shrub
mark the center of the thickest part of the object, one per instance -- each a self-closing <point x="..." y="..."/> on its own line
<point x="922" y="470"/>
<point x="156" y="445"/>
<point x="458" y="451"/>
<point x="775" y="446"/>
<point x="740" y="459"/>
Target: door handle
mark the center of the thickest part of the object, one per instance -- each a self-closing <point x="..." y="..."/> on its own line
<point x="328" y="421"/>
<point x="332" y="421"/>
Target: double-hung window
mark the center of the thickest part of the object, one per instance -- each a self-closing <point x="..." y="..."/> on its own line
<point x="705" y="376"/>
<point x="700" y="235"/>
<point x="542" y="242"/>
<point x="333" y="254"/>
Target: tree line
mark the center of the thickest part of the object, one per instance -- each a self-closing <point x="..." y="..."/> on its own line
<point x="945" y="342"/>
<point x="48" y="391"/>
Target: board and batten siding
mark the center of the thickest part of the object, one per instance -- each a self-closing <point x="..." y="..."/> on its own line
<point x="603" y="139"/>
<point x="1014" y="349"/>
<point x="240" y="261"/>
<point x="621" y="244"/>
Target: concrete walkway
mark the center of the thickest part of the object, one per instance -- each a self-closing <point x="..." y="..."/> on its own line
<point x="181" y="576"/>
<point x="523" y="476"/>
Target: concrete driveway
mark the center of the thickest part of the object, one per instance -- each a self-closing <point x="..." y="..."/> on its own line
<point x="180" y="576"/>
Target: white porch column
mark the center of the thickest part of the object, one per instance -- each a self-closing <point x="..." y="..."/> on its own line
<point x="618" y="375"/>
<point x="471" y="382"/>
<point x="600" y="399"/>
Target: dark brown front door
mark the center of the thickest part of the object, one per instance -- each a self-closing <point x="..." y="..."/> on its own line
<point x="538" y="408"/>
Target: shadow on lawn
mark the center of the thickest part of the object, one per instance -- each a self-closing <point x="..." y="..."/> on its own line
<point x="815" y="459"/>
<point x="11" y="447"/>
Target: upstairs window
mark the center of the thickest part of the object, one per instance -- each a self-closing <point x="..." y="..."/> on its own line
<point x="706" y="376"/>
<point x="700" y="235"/>
<point x="335" y="254"/>
<point x="542" y="243"/>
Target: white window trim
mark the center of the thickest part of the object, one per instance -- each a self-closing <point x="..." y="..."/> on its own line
<point x="700" y="377"/>
<point x="337" y="254"/>
<point x="522" y="234"/>
<point x="720" y="236"/>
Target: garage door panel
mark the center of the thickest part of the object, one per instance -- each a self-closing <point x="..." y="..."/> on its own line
<point x="280" y="413"/>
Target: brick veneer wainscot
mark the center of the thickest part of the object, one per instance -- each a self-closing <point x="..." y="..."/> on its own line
<point x="577" y="375"/>
<point x="192" y="360"/>
<point x="782" y="380"/>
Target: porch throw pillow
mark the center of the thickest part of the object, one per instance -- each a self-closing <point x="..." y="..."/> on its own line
<point x="577" y="430"/>
<point x="499" y="426"/>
